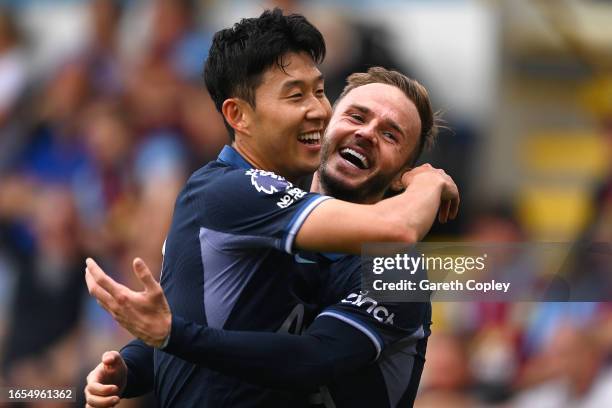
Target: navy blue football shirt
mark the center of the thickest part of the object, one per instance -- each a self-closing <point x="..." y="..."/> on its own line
<point x="397" y="330"/>
<point x="228" y="264"/>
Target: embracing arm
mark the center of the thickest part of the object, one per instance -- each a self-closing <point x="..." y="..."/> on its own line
<point x="138" y="358"/>
<point x="406" y="217"/>
<point x="330" y="348"/>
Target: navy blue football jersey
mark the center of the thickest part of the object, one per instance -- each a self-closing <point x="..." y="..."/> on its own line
<point x="228" y="263"/>
<point x="398" y="332"/>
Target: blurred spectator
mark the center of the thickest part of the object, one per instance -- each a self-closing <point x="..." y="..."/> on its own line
<point x="569" y="371"/>
<point x="446" y="380"/>
<point x="177" y="39"/>
<point x="13" y="65"/>
<point x="101" y="57"/>
<point x="48" y="302"/>
<point x="13" y="84"/>
<point x="352" y="45"/>
<point x="104" y="186"/>
<point x="203" y="126"/>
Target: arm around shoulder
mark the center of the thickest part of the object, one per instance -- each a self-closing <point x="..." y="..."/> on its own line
<point x="339" y="226"/>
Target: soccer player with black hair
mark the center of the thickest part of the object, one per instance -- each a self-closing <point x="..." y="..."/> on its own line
<point x="229" y="258"/>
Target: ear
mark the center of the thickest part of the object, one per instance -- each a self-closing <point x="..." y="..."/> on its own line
<point x="237" y="113"/>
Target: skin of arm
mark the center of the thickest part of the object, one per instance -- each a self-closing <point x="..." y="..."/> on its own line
<point x="406" y="217"/>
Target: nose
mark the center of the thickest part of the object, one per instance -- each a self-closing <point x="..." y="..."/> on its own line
<point x="318" y="109"/>
<point x="367" y="134"/>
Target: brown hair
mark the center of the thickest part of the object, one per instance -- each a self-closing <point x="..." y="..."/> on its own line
<point x="412" y="89"/>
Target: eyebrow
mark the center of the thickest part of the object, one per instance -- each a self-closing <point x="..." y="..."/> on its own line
<point x="390" y="122"/>
<point x="298" y="82"/>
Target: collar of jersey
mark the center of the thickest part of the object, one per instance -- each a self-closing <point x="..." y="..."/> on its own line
<point x="230" y="156"/>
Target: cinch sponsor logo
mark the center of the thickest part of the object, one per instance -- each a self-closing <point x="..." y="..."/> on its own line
<point x="380" y="313"/>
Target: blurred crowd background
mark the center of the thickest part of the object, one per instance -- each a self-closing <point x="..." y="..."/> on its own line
<point x="103" y="115"/>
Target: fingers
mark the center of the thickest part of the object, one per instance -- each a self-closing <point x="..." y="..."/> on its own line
<point x="102" y="279"/>
<point x="97" y="394"/>
<point x="444" y="211"/>
<point x="96" y="401"/>
<point x="454" y="200"/>
<point x="102" y="390"/>
<point x="96" y="374"/>
<point x="454" y="208"/>
<point x="410" y="174"/>
<point x="143" y="273"/>
<point x="102" y="296"/>
<point x="110" y="359"/>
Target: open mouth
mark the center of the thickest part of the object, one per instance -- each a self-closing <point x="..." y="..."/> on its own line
<point x="312" y="138"/>
<point x="355" y="158"/>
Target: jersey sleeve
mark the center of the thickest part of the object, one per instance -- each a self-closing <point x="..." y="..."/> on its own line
<point x="254" y="208"/>
<point x="383" y="323"/>
<point x="327" y="350"/>
<point x="138" y="358"/>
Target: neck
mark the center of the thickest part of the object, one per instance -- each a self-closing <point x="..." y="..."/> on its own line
<point x="257" y="161"/>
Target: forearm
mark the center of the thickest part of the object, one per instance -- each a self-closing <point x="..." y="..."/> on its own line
<point x="405" y="218"/>
<point x="274" y="359"/>
<point x="414" y="211"/>
<point x="139" y="359"/>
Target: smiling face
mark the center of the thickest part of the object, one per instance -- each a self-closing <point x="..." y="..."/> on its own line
<point x="371" y="137"/>
<point x="286" y="125"/>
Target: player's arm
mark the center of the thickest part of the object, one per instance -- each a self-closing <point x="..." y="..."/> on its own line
<point x="329" y="349"/>
<point x="284" y="217"/>
<point x="138" y="357"/>
<point x="339" y="226"/>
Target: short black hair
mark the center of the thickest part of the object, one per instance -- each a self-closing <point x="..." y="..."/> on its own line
<point x="239" y="55"/>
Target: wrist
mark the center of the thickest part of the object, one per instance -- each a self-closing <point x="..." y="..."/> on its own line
<point x="162" y="342"/>
<point x="429" y="181"/>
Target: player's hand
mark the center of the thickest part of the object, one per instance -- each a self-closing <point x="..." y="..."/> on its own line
<point x="106" y="382"/>
<point x="145" y="314"/>
<point x="409" y="176"/>
<point x="434" y="178"/>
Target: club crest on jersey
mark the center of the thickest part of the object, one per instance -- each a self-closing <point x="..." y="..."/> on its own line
<point x="268" y="182"/>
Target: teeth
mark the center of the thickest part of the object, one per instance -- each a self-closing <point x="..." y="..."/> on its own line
<point x="361" y="157"/>
<point x="310" y="137"/>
